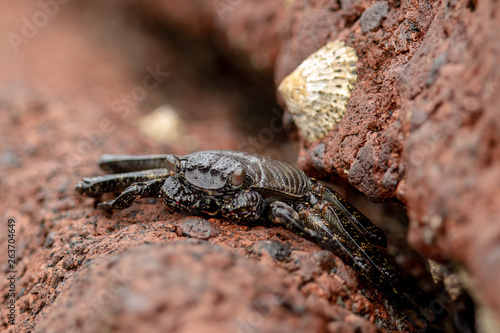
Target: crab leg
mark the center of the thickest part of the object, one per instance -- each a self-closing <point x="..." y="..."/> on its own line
<point x="334" y="218"/>
<point x="337" y="217"/>
<point x="95" y="186"/>
<point x="312" y="227"/>
<point x="127" y="163"/>
<point x="373" y="233"/>
<point x="135" y="191"/>
<point x="308" y="223"/>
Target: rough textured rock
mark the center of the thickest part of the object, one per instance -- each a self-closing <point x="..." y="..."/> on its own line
<point x="188" y="286"/>
<point x="421" y="127"/>
<point x="79" y="269"/>
<point x="66" y="250"/>
<point x="452" y="135"/>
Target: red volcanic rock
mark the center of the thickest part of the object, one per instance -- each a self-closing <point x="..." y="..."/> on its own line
<point x="195" y="228"/>
<point x="187" y="286"/>
<point x="421" y="127"/>
<point x="84" y="269"/>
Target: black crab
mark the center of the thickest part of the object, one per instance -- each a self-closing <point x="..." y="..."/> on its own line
<point x="244" y="187"/>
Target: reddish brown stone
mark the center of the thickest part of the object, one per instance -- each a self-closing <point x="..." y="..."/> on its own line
<point x="195" y="228"/>
<point x="67" y="251"/>
<point x="187" y="286"/>
<point x="421" y="127"/>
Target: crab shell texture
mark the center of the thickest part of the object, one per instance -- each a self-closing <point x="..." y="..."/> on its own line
<point x="316" y="93"/>
<point x="214" y="172"/>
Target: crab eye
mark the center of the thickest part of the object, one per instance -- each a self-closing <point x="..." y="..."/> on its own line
<point x="172" y="163"/>
<point x="238" y="177"/>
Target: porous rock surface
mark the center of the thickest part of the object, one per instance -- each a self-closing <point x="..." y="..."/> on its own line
<point x="80" y="269"/>
<point x="422" y="124"/>
<point x="421" y="127"/>
<point x="186" y="286"/>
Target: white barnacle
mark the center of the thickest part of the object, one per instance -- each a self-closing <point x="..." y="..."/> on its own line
<point x="316" y="93"/>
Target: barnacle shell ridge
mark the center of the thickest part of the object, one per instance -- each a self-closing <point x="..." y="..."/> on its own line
<point x="316" y="93"/>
